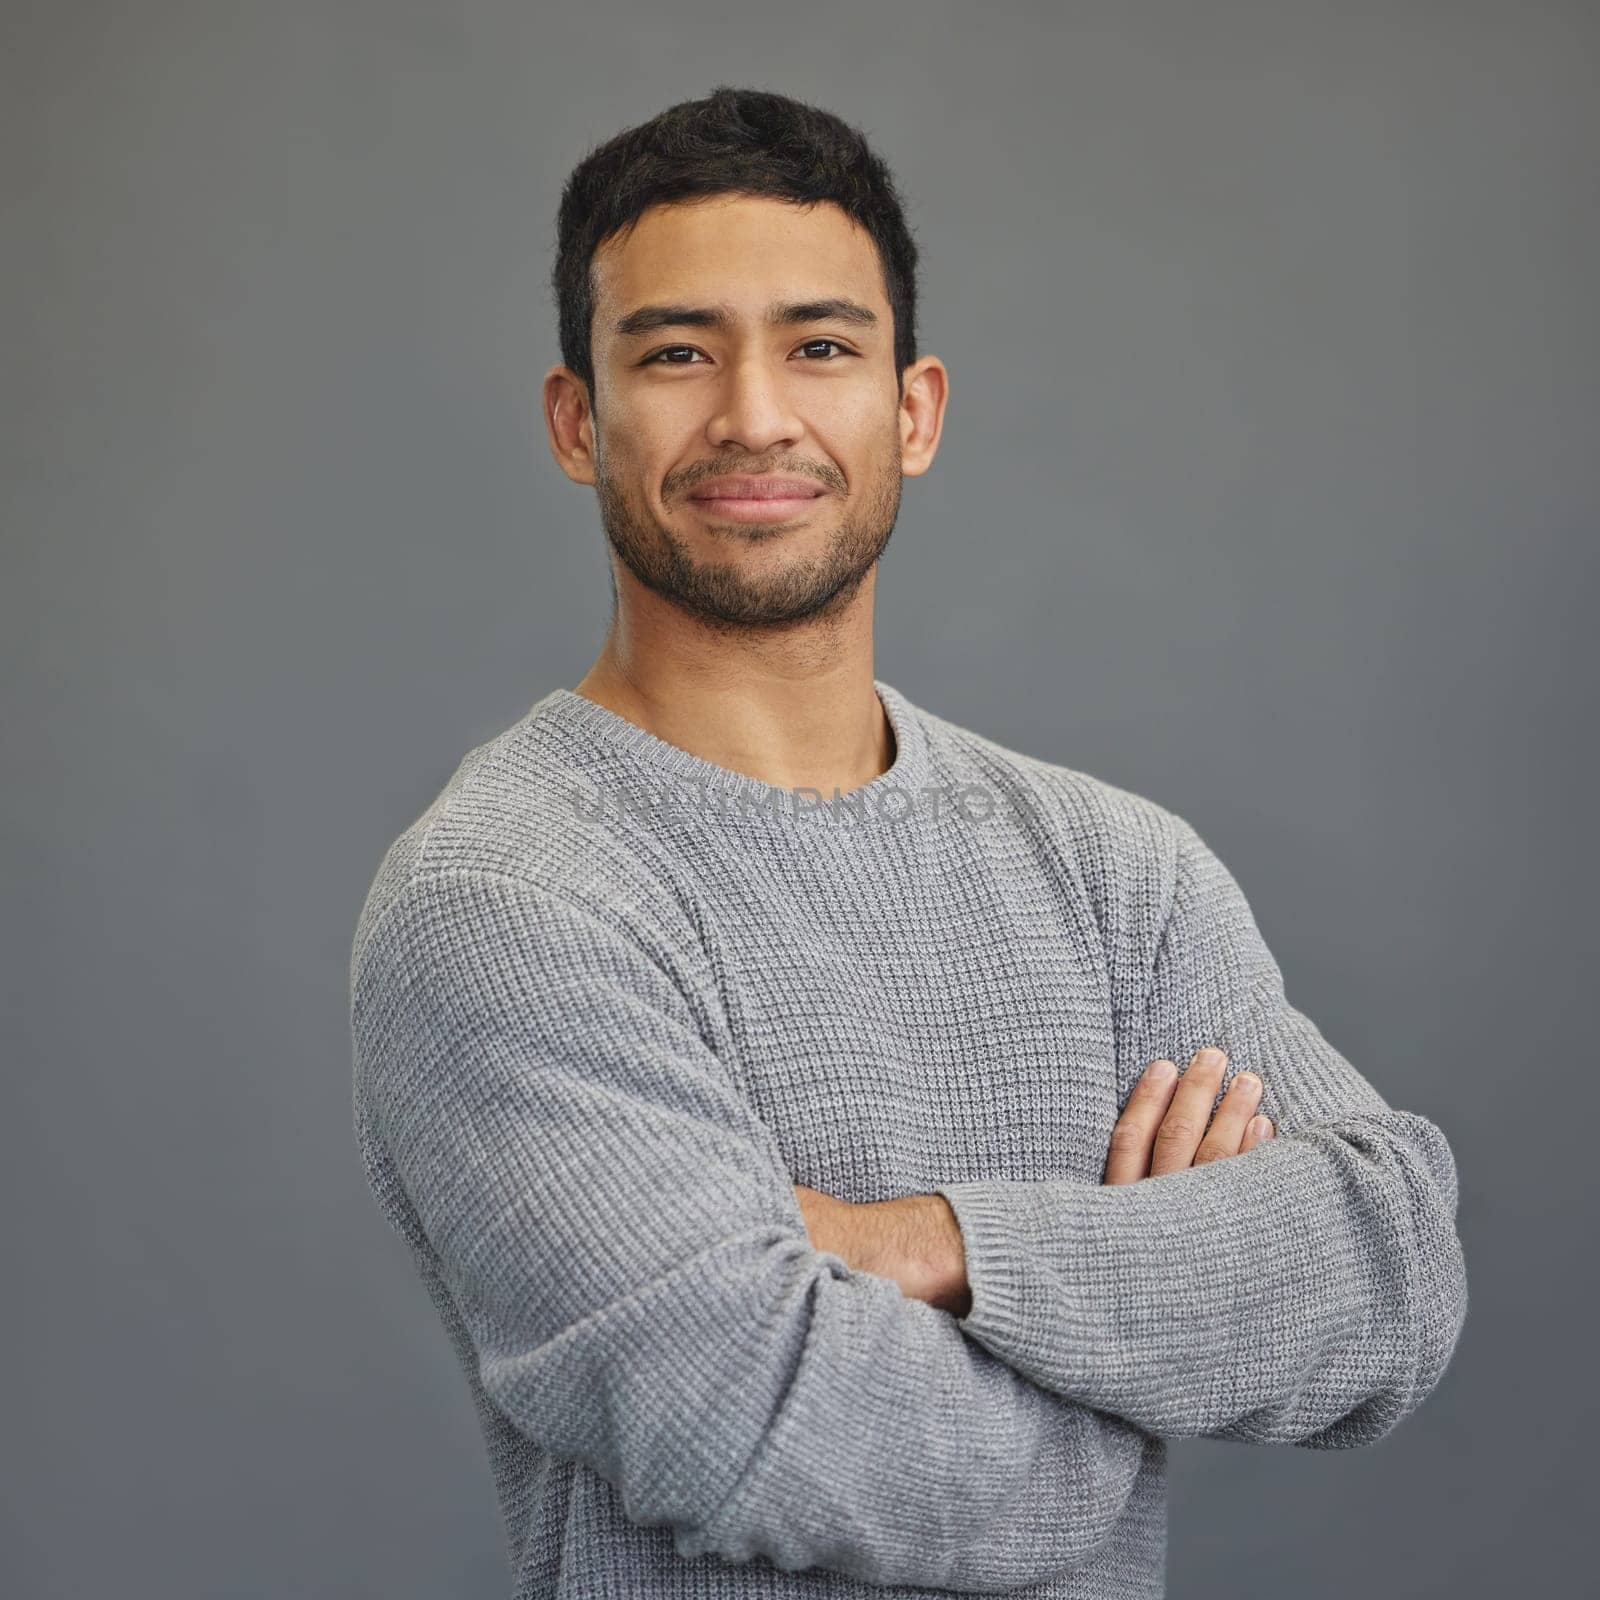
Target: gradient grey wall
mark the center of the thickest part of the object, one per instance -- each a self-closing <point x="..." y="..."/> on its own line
<point x="1268" y="489"/>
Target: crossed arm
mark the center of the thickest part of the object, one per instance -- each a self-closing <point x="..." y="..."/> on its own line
<point x="916" y="1239"/>
<point x="1308" y="1291"/>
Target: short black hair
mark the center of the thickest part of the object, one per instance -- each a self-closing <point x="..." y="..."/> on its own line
<point x="733" y="141"/>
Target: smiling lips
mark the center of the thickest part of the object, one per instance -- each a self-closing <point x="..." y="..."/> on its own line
<point x="739" y="498"/>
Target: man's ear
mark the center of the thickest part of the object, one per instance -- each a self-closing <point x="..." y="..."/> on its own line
<point x="925" y="390"/>
<point x="569" y="423"/>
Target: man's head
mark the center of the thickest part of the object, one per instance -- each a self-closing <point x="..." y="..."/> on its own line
<point x="737" y="294"/>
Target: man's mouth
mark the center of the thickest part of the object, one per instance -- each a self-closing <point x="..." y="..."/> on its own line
<point x="757" y="499"/>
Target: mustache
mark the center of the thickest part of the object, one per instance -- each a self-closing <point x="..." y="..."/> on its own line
<point x="686" y="481"/>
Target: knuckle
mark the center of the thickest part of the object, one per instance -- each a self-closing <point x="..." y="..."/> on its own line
<point x="1176" y="1131"/>
<point x="1127" y="1139"/>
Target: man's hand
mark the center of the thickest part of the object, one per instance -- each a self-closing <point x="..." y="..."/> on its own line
<point x="915" y="1240"/>
<point x="1161" y="1127"/>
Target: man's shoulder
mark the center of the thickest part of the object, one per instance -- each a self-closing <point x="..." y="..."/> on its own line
<point x="1106" y="825"/>
<point x="512" y="811"/>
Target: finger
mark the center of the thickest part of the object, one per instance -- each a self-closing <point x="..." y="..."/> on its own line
<point x="1257" y="1131"/>
<point x="1226" y="1133"/>
<point x="1184" y="1125"/>
<point x="1135" y="1132"/>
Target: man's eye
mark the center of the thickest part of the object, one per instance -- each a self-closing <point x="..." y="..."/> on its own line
<point x="834" y="342"/>
<point x="660" y="358"/>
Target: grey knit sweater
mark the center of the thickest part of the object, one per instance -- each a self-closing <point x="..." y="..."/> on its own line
<point x="611" y="1002"/>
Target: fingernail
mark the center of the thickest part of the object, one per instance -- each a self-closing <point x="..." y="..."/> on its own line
<point x="1162" y="1071"/>
<point x="1210" y="1058"/>
<point x="1248" y="1083"/>
<point x="1261" y="1127"/>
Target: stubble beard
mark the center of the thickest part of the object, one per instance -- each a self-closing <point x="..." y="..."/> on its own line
<point x="722" y="593"/>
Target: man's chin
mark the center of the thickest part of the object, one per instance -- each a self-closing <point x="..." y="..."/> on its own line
<point x="754" y="604"/>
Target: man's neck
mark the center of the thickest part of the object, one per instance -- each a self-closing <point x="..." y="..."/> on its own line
<point x="821" y="730"/>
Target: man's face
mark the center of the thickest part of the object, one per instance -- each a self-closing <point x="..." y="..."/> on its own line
<point x="680" y="402"/>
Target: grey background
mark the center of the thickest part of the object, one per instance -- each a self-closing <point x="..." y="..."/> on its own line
<point x="1268" y="489"/>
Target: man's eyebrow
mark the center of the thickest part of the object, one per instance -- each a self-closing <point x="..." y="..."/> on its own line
<point x="648" y="319"/>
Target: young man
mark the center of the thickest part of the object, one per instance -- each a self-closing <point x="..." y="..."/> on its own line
<point x="800" y="1107"/>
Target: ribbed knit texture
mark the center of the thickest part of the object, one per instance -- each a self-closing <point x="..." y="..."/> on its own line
<point x="607" y="1009"/>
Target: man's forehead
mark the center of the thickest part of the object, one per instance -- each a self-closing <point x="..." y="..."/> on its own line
<point x="742" y="255"/>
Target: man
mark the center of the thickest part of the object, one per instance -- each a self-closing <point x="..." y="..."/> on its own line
<point x="800" y="1107"/>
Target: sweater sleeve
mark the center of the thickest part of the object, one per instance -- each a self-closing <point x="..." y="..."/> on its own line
<point x="1309" y="1291"/>
<point x="623" y="1241"/>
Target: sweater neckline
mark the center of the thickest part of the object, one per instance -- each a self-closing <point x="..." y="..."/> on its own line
<point x="892" y="793"/>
